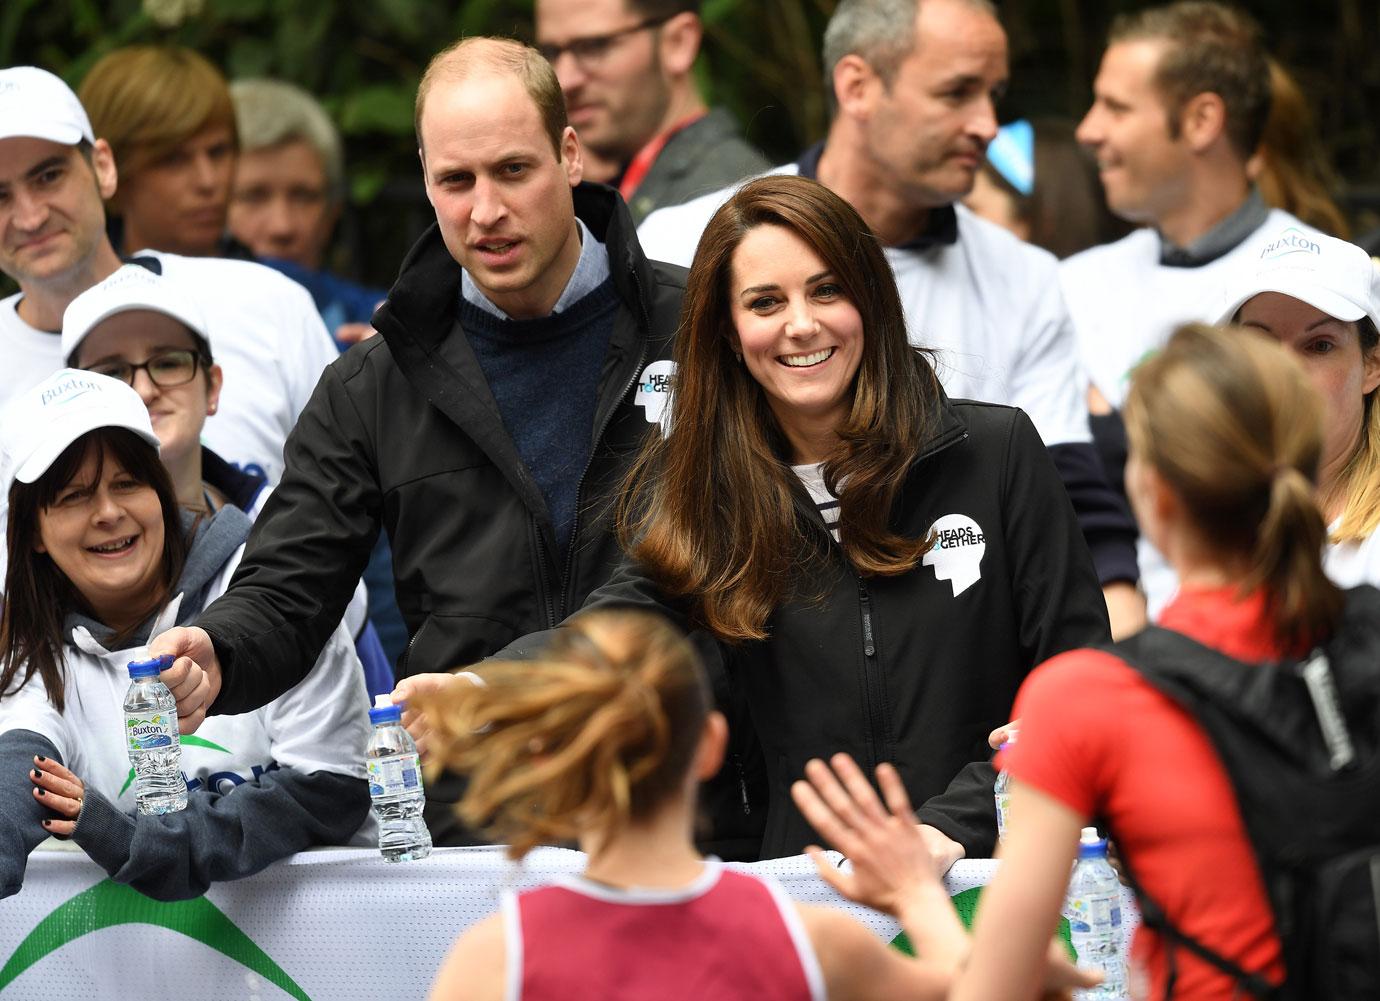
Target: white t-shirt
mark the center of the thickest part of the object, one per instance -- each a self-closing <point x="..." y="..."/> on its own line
<point x="1352" y="563"/>
<point x="269" y="339"/>
<point x="322" y="724"/>
<point x="989" y="306"/>
<point x="30" y="355"/>
<point x="1347" y="564"/>
<point x="827" y="504"/>
<point x="1125" y="303"/>
<point x="265" y="334"/>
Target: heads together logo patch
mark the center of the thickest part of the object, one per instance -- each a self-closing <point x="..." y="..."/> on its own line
<point x="1292" y="241"/>
<point x="654" y="392"/>
<point x="956" y="555"/>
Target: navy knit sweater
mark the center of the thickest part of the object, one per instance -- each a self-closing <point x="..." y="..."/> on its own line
<point x="544" y="375"/>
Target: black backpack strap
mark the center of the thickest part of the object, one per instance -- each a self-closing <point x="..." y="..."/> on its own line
<point x="1152" y="915"/>
<point x="1140" y="652"/>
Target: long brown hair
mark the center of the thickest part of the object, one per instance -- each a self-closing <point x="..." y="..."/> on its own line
<point x="598" y="732"/>
<point x="709" y="509"/>
<point x="38" y="596"/>
<point x="1230" y="422"/>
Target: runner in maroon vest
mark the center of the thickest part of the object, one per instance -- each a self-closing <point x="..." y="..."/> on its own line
<point x="604" y="741"/>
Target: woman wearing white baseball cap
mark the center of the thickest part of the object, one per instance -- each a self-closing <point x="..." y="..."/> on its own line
<point x="142" y="329"/>
<point x="101" y="557"/>
<point x="138" y="327"/>
<point x="1320" y="297"/>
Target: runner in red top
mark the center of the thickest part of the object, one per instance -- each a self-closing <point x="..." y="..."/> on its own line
<point x="604" y="740"/>
<point x="1225" y="439"/>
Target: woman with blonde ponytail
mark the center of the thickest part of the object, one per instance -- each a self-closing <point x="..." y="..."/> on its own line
<point x="1226" y="438"/>
<point x="603" y="741"/>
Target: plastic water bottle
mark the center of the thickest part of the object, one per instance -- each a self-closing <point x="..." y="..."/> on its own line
<point x="1002" y="789"/>
<point x="395" y="784"/>
<point x="1094" y="912"/>
<point x="155" y="750"/>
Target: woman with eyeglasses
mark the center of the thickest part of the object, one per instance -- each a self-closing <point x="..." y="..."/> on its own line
<point x="102" y="557"/>
<point x="140" y="328"/>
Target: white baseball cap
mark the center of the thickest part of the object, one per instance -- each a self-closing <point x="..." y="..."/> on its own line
<point x="1332" y="275"/>
<point x="132" y="287"/>
<point x="36" y="104"/>
<point x="40" y="423"/>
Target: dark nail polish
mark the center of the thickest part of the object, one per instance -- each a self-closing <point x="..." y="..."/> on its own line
<point x="43" y="792"/>
<point x="41" y="758"/>
<point x="47" y="823"/>
<point x="37" y="774"/>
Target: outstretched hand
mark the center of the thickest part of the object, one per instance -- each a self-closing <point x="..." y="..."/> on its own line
<point x="414" y="720"/>
<point x="194" y="677"/>
<point x="890" y="857"/>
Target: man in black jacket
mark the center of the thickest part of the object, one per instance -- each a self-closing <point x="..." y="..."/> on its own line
<point x="522" y="359"/>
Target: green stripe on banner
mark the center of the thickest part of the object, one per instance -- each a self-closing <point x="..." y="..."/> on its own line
<point x="108" y="904"/>
<point x="966" y="905"/>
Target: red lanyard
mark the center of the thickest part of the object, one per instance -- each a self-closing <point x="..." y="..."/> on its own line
<point x="646" y="156"/>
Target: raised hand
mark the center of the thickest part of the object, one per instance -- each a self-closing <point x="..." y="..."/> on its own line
<point x="890" y="858"/>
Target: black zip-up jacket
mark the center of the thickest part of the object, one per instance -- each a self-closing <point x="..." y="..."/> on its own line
<point x="902" y="668"/>
<point x="396" y="438"/>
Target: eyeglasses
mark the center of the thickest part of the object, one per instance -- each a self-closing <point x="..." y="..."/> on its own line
<point x="165" y="369"/>
<point x="592" y="49"/>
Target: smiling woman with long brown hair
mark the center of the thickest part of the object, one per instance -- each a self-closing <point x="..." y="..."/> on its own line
<point x="881" y="565"/>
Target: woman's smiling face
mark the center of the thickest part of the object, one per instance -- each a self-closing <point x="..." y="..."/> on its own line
<point x="800" y="336"/>
<point x="104" y="531"/>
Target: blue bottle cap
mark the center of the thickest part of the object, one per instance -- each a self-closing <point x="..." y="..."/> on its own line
<point x="386" y="714"/>
<point x="150" y="668"/>
<point x="1092" y="849"/>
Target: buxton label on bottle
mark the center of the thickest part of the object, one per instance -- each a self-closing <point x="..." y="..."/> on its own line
<point x="394" y="775"/>
<point x="150" y="731"/>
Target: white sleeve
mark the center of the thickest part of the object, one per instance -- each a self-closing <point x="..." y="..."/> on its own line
<point x="672" y="234"/>
<point x="29" y="709"/>
<point x="322" y="724"/>
<point x="308" y="348"/>
<point x="1047" y="381"/>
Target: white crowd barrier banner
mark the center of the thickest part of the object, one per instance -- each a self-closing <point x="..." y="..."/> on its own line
<point x="326" y="925"/>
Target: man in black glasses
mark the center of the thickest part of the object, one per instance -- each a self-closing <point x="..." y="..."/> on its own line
<point x="625" y="68"/>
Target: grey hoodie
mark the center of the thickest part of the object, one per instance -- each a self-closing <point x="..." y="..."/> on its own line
<point x="219" y="836"/>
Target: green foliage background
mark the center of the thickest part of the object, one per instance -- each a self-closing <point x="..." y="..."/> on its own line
<point x="363" y="59"/>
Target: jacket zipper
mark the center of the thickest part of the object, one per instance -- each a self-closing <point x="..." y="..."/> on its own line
<point x="871" y="676"/>
<point x="594" y="444"/>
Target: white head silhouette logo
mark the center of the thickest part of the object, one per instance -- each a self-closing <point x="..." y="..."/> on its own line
<point x="654" y="391"/>
<point x="957" y="552"/>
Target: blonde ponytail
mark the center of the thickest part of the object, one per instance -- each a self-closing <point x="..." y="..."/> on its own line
<point x="1231" y="424"/>
<point x="598" y="732"/>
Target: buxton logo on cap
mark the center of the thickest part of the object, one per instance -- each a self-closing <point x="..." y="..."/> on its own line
<point x="130" y="274"/>
<point x="67" y="390"/>
<point x="1291" y="241"/>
